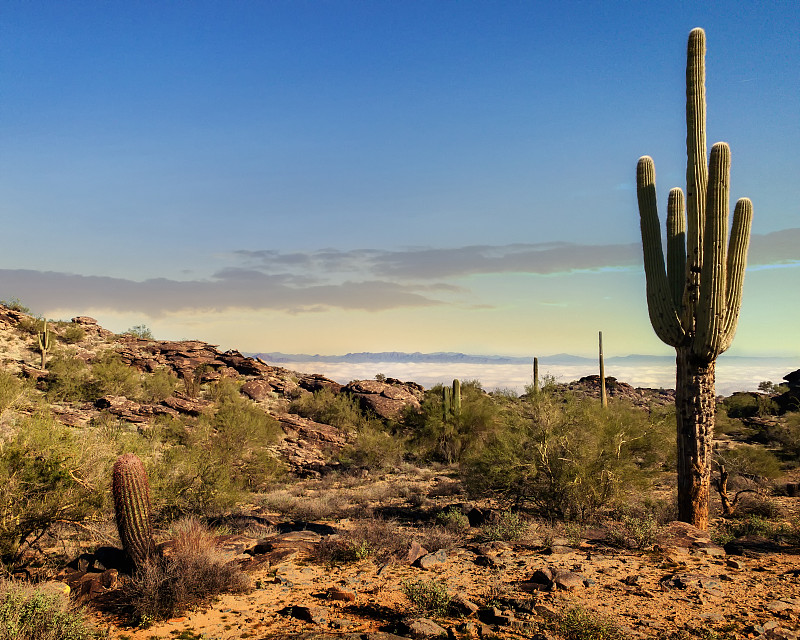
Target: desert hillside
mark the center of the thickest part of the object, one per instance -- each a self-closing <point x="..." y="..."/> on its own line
<point x="286" y="504"/>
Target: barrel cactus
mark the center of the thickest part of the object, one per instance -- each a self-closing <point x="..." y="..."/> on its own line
<point x="694" y="299"/>
<point x="132" y="507"/>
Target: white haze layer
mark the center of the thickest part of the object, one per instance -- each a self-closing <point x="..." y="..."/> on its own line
<point x="730" y="377"/>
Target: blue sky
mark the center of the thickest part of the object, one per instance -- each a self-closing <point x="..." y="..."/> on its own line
<point x="338" y="176"/>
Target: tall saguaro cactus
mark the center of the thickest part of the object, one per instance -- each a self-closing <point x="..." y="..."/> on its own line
<point x="694" y="302"/>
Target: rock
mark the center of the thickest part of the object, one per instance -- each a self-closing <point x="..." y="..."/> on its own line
<point x="424" y="628"/>
<point x="317" y="615"/>
<point x="568" y="580"/>
<point x="384" y="399"/>
<point x="752" y="546"/>
<point x="415" y="552"/>
<point x="335" y="593"/>
<point x="432" y="559"/>
<point x="464" y="606"/>
<point x="257" y="389"/>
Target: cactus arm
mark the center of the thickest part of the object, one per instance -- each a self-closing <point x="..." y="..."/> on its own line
<point x="445" y="403"/>
<point x="737" y="262"/>
<point x="711" y="309"/>
<point x="676" y="245"/>
<point x="696" y="166"/>
<point x="663" y="314"/>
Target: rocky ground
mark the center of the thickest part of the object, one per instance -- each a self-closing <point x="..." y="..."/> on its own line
<point x="684" y="584"/>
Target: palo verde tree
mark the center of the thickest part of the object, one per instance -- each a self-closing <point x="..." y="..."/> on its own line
<point x="694" y="302"/>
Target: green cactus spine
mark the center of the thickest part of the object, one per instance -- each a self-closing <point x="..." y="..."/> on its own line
<point x="694" y="302"/>
<point x="44" y="342"/>
<point x="132" y="507"/>
<point x="603" y="396"/>
<point x="456" y="408"/>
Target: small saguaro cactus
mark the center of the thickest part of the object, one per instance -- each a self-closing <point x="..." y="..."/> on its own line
<point x="44" y="342"/>
<point x="536" y="375"/>
<point x="132" y="507"/>
<point x="694" y="302"/>
<point x="451" y="401"/>
<point x="603" y="396"/>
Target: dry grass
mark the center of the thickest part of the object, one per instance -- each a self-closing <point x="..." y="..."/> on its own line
<point x="189" y="574"/>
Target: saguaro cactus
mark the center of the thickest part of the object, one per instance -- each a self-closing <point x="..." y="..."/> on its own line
<point x="456" y="398"/>
<point x="44" y="341"/>
<point x="132" y="506"/>
<point x="536" y="375"/>
<point x="603" y="396"/>
<point x="694" y="302"/>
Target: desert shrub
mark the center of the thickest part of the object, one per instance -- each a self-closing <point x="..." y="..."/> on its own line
<point x="579" y="624"/>
<point x="30" y="324"/>
<point x="635" y="531"/>
<point x="449" y="440"/>
<point x="747" y="404"/>
<point x="159" y="385"/>
<point x="48" y="474"/>
<point x="437" y="537"/>
<point x="15" y="304"/>
<point x="568" y="457"/>
<point x="111" y="376"/>
<point x="73" y="334"/>
<point x="140" y="331"/>
<point x="785" y="435"/>
<point x="29" y="614"/>
<point x="190" y="573"/>
<point x="373" y="448"/>
<point x="373" y="538"/>
<point x="213" y="461"/>
<point x="508" y="526"/>
<point x="336" y="409"/>
<point x="427" y="596"/>
<point x="12" y="390"/>
<point x="454" y="520"/>
<point x="67" y="378"/>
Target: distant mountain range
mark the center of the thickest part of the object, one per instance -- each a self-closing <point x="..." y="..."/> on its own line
<point x="276" y="357"/>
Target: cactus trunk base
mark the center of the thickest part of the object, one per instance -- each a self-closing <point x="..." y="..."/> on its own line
<point x="695" y="402"/>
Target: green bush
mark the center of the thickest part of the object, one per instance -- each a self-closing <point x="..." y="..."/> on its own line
<point x="111" y="376"/>
<point x="747" y="405"/>
<point x="159" y="385"/>
<point x="567" y="456"/>
<point x="212" y="461"/>
<point x="373" y="448"/>
<point x="336" y="409"/>
<point x="73" y="334"/>
<point x="48" y="474"/>
<point x="28" y="614"/>
<point x="450" y="440"/>
<point x="579" y="624"/>
<point x="67" y="378"/>
<point x="427" y="596"/>
<point x="12" y="391"/>
<point x="140" y="331"/>
<point x="509" y="526"/>
<point x="453" y="520"/>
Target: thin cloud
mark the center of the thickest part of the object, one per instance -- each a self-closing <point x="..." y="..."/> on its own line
<point x="252" y="290"/>
<point x="419" y="264"/>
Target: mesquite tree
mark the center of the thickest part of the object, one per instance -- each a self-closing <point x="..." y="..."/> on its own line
<point x="694" y="302"/>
